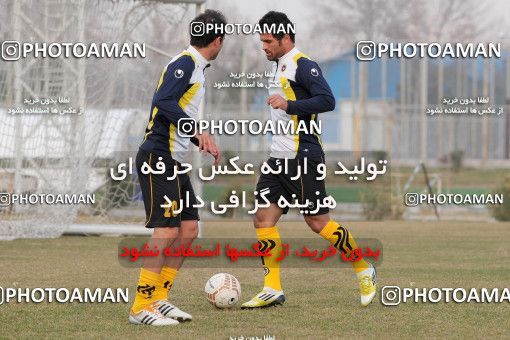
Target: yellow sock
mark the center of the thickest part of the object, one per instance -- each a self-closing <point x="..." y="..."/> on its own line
<point x="145" y="291"/>
<point x="269" y="238"/>
<point x="342" y="240"/>
<point x="166" y="280"/>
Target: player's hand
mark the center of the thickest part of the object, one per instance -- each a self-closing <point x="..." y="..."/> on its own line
<point x="277" y="102"/>
<point x="216" y="153"/>
<point x="206" y="145"/>
<point x="204" y="142"/>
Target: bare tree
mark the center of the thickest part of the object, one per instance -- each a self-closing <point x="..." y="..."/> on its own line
<point x="348" y="21"/>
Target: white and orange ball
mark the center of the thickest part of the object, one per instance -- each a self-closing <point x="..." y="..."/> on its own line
<point x="223" y="290"/>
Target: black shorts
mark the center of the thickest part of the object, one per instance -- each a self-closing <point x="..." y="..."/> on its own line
<point x="305" y="187"/>
<point x="155" y="186"/>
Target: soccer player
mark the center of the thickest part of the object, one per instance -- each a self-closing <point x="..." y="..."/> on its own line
<point x="178" y="94"/>
<point x="301" y="94"/>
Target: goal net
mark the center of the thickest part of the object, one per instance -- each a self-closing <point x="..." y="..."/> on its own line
<point x="96" y="108"/>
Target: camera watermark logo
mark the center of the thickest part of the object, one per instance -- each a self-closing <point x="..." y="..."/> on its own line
<point x="411" y="199"/>
<point x="394" y="295"/>
<point x="5" y="199"/>
<point x="365" y="50"/>
<point x="11" y="50"/>
<point x="186" y="127"/>
<point x="197" y="29"/>
<point x="391" y="295"/>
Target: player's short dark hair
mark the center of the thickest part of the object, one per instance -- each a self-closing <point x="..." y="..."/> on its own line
<point x="277" y="18"/>
<point x="208" y="17"/>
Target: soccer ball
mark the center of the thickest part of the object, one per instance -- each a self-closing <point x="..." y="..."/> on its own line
<point x="223" y="290"/>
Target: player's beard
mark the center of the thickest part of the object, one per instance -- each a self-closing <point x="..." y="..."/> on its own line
<point x="274" y="56"/>
<point x="214" y="56"/>
<point x="271" y="56"/>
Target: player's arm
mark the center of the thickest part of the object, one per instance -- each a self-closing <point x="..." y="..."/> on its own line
<point x="309" y="75"/>
<point x="174" y="85"/>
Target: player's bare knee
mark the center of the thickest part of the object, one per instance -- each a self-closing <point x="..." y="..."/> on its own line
<point x="192" y="234"/>
<point x="189" y="231"/>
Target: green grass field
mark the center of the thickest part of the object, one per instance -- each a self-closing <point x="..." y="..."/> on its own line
<point x="466" y="181"/>
<point x="321" y="303"/>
